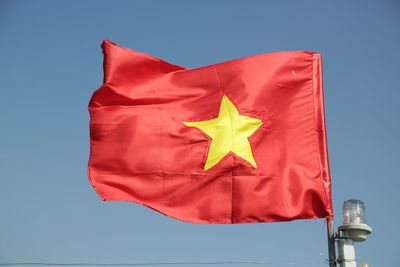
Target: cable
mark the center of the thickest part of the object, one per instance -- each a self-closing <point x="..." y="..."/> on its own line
<point x="156" y="263"/>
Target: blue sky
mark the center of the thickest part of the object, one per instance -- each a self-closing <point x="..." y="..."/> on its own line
<point x="51" y="63"/>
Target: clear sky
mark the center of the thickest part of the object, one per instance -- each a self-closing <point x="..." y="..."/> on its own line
<point x="51" y="62"/>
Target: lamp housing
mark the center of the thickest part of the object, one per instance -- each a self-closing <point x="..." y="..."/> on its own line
<point x="354" y="223"/>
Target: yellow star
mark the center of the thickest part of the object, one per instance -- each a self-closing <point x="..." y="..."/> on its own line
<point x="229" y="133"/>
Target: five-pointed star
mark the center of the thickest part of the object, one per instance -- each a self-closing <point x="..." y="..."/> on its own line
<point x="229" y="133"/>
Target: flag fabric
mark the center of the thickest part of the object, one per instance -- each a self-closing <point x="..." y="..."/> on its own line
<point x="242" y="141"/>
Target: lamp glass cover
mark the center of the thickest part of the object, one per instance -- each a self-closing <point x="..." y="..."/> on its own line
<point x="353" y="212"/>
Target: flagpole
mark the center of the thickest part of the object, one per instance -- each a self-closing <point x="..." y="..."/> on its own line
<point x="331" y="243"/>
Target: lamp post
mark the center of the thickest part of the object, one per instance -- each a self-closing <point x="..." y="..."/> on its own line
<point x="353" y="229"/>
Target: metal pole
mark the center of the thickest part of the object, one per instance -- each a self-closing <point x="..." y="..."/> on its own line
<point x="331" y="243"/>
<point x="347" y="253"/>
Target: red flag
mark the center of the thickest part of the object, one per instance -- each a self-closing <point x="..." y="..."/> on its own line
<point x="237" y="142"/>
